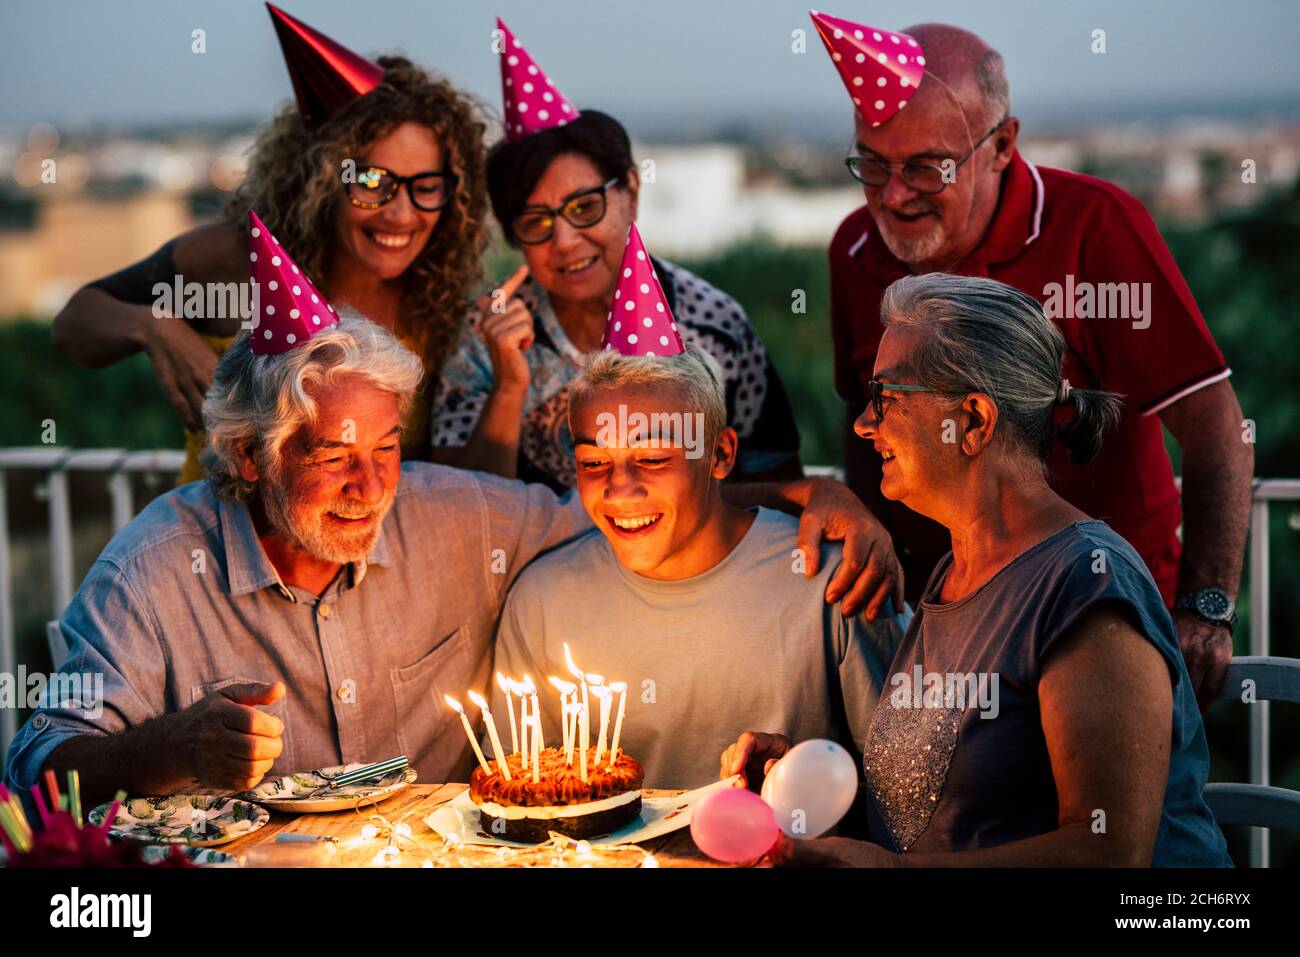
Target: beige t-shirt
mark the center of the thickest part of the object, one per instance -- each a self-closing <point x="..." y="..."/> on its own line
<point x="749" y="645"/>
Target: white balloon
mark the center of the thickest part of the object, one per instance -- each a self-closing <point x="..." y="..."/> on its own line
<point x="811" y="788"/>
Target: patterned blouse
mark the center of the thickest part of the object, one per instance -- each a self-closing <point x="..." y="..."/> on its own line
<point x="757" y="405"/>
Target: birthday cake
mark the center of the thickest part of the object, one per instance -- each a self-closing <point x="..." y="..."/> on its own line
<point x="526" y="811"/>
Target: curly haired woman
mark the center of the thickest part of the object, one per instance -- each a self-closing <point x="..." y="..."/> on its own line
<point x="401" y="249"/>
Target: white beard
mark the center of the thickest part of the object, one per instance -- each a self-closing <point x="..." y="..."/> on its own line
<point x="311" y="534"/>
<point x="920" y="249"/>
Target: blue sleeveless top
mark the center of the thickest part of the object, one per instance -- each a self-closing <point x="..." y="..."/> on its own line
<point x="941" y="777"/>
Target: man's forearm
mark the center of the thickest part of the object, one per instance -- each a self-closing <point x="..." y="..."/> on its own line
<point x="142" y="760"/>
<point x="1217" y="473"/>
<point x="791" y="497"/>
<point x="1217" y="470"/>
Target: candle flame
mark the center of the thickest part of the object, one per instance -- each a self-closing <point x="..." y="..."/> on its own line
<point x="479" y="700"/>
<point x="568" y="663"/>
<point x="528" y="686"/>
<point x="618" y="686"/>
<point x="564" y="687"/>
<point x="601" y="691"/>
<point x="596" y="679"/>
<point x="453" y="703"/>
<point x="503" y="683"/>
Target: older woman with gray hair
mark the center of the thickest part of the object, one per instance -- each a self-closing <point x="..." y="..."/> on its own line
<point x="1038" y="712"/>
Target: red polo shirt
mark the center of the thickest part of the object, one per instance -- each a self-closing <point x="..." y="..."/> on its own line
<point x="1056" y="227"/>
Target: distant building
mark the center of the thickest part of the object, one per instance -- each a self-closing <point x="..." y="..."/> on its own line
<point x="78" y="238"/>
<point x="701" y="201"/>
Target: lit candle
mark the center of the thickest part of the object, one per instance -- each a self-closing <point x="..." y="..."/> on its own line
<point x="576" y="672"/>
<point x="469" y="732"/>
<point x="621" y="688"/>
<point x="584" y="734"/>
<point x="537" y="740"/>
<point x="504" y="684"/>
<point x="539" y="744"/>
<point x="523" y="727"/>
<point x="571" y="712"/>
<point x="565" y="688"/>
<point x="492" y="733"/>
<point x="606" y="699"/>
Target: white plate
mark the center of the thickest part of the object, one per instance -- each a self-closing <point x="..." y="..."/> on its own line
<point x="292" y="792"/>
<point x="659" y="816"/>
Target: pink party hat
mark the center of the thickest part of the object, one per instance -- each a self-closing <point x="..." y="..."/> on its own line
<point x="640" y="322"/>
<point x="881" y="70"/>
<point x="292" y="309"/>
<point x="326" y="75"/>
<point x="531" y="100"/>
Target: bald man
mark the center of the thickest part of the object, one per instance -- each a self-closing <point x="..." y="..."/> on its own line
<point x="1092" y="255"/>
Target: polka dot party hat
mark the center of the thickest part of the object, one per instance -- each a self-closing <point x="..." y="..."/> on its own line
<point x="326" y="75"/>
<point x="530" y="98"/>
<point x="640" y="322"/>
<point x="881" y="70"/>
<point x="292" y="309"/>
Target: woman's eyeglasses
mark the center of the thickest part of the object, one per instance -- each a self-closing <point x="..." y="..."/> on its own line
<point x="536" y="224"/>
<point x="375" y="186"/>
<point x="922" y="177"/>
<point x="876" y="394"/>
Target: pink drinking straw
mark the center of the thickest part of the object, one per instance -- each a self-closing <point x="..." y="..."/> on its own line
<point x="111" y="816"/>
<point x="40" y="806"/>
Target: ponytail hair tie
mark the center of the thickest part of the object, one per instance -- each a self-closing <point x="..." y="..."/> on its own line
<point x="1063" y="392"/>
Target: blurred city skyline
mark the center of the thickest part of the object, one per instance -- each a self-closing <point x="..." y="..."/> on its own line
<point x="747" y="138"/>
<point x="132" y="66"/>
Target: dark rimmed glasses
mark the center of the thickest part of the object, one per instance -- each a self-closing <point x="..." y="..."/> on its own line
<point x="922" y="177"/>
<point x="375" y="186"/>
<point x="536" y="224"/>
<point x="876" y="394"/>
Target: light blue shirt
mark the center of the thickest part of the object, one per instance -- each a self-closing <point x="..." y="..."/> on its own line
<point x="184" y="601"/>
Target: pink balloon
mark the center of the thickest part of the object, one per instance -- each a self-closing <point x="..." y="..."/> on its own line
<point x="733" y="825"/>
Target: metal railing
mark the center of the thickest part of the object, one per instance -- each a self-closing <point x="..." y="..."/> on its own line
<point x="57" y="464"/>
<point x="119" y="465"/>
<point x="1265" y="491"/>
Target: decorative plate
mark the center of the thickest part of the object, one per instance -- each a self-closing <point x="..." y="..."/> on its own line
<point x="203" y="820"/>
<point x="198" y="856"/>
<point x="310" y="791"/>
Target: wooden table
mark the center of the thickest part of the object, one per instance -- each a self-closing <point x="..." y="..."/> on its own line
<point x="412" y="805"/>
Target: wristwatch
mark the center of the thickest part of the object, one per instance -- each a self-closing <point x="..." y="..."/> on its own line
<point x="1211" y="605"/>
